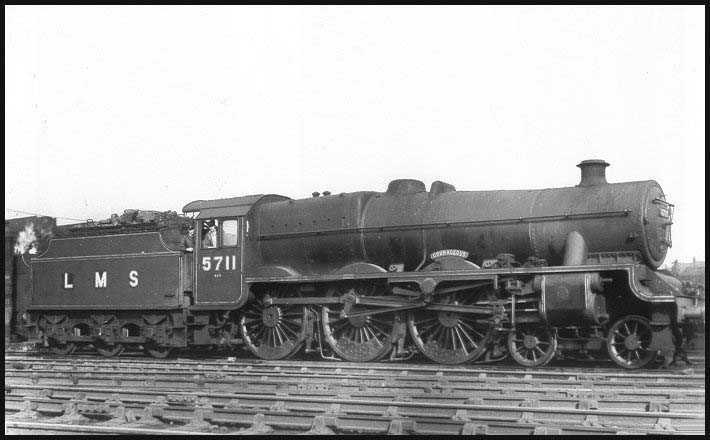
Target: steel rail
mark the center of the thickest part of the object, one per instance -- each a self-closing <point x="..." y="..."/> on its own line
<point x="59" y="428"/>
<point x="397" y="384"/>
<point x="227" y="366"/>
<point x="372" y="410"/>
<point x="402" y="381"/>
<point x="495" y="394"/>
<point x="349" y="400"/>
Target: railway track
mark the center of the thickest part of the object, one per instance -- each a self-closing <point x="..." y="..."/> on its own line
<point x="134" y="395"/>
<point x="339" y="369"/>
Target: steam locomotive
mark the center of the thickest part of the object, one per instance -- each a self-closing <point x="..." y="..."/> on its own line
<point x="458" y="276"/>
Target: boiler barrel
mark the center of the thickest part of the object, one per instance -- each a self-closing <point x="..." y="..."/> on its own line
<point x="405" y="223"/>
<point x="629" y="216"/>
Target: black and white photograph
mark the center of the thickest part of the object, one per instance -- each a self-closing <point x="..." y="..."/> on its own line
<point x="354" y="220"/>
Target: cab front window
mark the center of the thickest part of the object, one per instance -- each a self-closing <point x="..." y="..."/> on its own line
<point x="230" y="232"/>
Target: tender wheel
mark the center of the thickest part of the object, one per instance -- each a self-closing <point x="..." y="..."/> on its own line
<point x="532" y="346"/>
<point x="157" y="351"/>
<point x="357" y="339"/>
<point x="628" y="342"/>
<point x="449" y="337"/>
<point x="273" y="332"/>
<point x="110" y="350"/>
<point x="62" y="348"/>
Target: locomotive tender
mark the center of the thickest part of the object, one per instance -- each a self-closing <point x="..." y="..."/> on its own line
<point x="455" y="275"/>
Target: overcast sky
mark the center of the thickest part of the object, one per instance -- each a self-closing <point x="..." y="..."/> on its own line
<point x="109" y="108"/>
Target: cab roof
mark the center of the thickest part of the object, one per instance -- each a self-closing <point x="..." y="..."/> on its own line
<point x="229" y="207"/>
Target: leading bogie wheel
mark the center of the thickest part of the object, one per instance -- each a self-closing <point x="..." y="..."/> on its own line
<point x="532" y="345"/>
<point x="360" y="338"/>
<point x="273" y="331"/>
<point x="629" y="340"/>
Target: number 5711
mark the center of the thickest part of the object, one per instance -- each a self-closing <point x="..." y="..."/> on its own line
<point x="215" y="263"/>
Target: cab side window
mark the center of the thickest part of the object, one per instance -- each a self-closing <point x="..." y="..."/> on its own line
<point x="209" y="233"/>
<point x="230" y="232"/>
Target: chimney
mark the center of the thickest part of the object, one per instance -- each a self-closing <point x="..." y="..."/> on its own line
<point x="593" y="172"/>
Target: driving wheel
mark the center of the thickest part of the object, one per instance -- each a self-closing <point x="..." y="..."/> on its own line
<point x="273" y="331"/>
<point x="448" y="337"/>
<point x="357" y="338"/>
